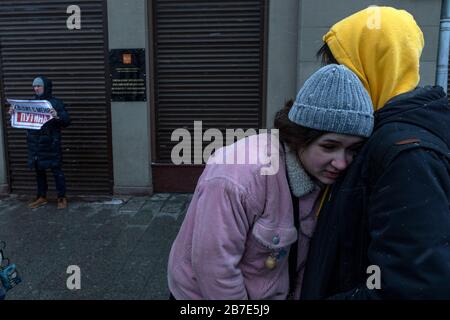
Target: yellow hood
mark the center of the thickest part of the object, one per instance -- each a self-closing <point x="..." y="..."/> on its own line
<point x="382" y="45"/>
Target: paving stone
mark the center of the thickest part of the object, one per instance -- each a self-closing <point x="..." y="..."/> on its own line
<point x="122" y="249"/>
<point x="131" y="207"/>
<point x="174" y="207"/>
<point x="159" y="196"/>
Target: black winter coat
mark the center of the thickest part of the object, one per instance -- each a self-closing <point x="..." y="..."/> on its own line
<point x="44" y="145"/>
<point x="391" y="210"/>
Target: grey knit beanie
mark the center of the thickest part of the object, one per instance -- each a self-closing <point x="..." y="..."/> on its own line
<point x="38" y="82"/>
<point x="333" y="99"/>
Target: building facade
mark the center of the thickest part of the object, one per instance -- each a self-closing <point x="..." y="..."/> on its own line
<point x="208" y="64"/>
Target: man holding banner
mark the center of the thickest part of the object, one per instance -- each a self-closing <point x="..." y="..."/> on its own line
<point x="43" y="118"/>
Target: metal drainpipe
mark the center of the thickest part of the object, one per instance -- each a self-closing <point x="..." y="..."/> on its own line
<point x="444" y="44"/>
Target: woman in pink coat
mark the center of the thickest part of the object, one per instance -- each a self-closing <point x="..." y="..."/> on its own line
<point x="239" y="239"/>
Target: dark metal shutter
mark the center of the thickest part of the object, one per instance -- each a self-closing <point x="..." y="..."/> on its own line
<point x="208" y="67"/>
<point x="34" y="39"/>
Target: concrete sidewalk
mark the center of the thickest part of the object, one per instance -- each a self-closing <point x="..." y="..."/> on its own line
<point x="121" y="245"/>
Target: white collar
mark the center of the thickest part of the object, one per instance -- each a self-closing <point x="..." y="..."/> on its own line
<point x="299" y="181"/>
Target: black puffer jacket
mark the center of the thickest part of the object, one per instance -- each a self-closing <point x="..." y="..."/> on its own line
<point x="391" y="210"/>
<point x="44" y="145"/>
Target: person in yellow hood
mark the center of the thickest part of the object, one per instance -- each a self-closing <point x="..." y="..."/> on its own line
<point x="384" y="232"/>
<point x="382" y="45"/>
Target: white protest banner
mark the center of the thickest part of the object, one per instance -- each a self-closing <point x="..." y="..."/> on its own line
<point x="30" y="114"/>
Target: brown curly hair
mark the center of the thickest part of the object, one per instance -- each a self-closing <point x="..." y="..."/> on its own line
<point x="294" y="135"/>
<point x="326" y="56"/>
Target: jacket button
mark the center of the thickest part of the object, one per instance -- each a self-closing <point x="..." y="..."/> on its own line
<point x="270" y="262"/>
<point x="276" y="240"/>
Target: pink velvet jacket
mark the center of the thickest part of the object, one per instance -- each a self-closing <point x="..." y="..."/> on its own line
<point x="237" y="218"/>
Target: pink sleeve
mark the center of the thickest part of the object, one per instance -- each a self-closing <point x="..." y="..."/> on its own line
<point x="219" y="238"/>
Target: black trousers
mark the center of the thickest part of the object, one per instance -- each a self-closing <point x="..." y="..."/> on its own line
<point x="60" y="182"/>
